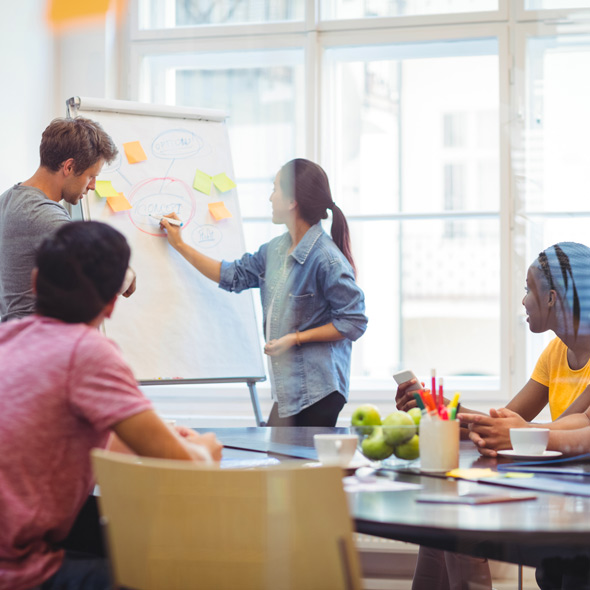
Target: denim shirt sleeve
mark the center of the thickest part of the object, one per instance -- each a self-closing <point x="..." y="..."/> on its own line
<point x="244" y="273"/>
<point x="346" y="299"/>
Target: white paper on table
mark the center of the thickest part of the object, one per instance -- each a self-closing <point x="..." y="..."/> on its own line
<point x="381" y="484"/>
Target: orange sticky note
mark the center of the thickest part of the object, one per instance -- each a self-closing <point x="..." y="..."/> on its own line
<point x="64" y="11"/>
<point x="223" y="182"/>
<point x="134" y="152"/>
<point x="219" y="211"/>
<point x="119" y="203"/>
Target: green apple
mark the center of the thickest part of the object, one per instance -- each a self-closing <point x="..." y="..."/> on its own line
<point x="366" y="415"/>
<point x="401" y="428"/>
<point x="416" y="414"/>
<point x="375" y="446"/>
<point x="409" y="450"/>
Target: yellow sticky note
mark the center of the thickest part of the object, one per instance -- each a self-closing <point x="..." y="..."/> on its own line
<point x="104" y="188"/>
<point x="134" y="152"/>
<point x="119" y="203"/>
<point x="219" y="210"/>
<point x="202" y="182"/>
<point x="223" y="182"/>
<point x="473" y="473"/>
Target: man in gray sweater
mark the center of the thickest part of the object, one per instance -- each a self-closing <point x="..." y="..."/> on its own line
<point x="73" y="152"/>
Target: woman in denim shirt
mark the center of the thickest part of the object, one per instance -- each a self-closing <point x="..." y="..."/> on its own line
<point x="312" y="307"/>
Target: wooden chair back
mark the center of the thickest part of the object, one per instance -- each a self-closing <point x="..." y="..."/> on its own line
<point x="174" y="525"/>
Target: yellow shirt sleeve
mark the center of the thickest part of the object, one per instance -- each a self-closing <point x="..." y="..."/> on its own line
<point x="565" y="384"/>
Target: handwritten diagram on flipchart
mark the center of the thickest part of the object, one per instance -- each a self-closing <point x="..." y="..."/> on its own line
<point x="178" y="324"/>
<point x="147" y="200"/>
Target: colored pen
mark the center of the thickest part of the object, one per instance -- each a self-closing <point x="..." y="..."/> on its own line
<point x="422" y="404"/>
<point x="452" y="407"/>
<point x="419" y="401"/>
<point x="441" y="399"/>
<point x="455" y="401"/>
<point x="433" y="384"/>
<point x="429" y="401"/>
<point x="170" y="220"/>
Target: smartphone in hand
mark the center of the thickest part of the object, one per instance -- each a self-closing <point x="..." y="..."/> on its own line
<point x="407" y="375"/>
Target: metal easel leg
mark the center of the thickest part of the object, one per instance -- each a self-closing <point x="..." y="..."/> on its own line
<point x="255" y="403"/>
<point x="519" y="576"/>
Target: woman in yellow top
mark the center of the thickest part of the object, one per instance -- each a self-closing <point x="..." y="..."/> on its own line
<point x="557" y="298"/>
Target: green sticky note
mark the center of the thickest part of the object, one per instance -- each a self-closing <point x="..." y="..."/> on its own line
<point x="223" y="182"/>
<point x="104" y="188"/>
<point x="202" y="182"/>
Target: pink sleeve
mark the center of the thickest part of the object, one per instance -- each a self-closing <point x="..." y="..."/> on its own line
<point x="101" y="387"/>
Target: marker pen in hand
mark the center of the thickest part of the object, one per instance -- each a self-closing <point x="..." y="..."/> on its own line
<point x="170" y="220"/>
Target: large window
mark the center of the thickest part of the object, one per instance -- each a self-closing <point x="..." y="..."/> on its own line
<point x="412" y="128"/>
<point x="455" y="135"/>
<point x="156" y="14"/>
<point x="552" y="175"/>
<point x="341" y="9"/>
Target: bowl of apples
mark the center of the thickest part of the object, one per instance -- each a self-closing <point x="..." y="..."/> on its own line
<point x="391" y="441"/>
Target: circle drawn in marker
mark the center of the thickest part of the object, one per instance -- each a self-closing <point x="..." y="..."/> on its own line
<point x="160" y="196"/>
<point x="206" y="236"/>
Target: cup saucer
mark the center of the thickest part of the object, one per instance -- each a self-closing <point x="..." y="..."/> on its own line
<point x="544" y="455"/>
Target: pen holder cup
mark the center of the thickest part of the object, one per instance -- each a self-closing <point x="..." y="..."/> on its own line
<point x="439" y="445"/>
<point x="387" y="445"/>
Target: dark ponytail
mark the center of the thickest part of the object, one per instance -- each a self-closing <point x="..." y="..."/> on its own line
<point x="307" y="183"/>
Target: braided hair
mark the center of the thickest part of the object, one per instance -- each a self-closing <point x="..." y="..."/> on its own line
<point x="566" y="269"/>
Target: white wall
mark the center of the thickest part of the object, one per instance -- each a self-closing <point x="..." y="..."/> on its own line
<point x="27" y="97"/>
<point x="40" y="71"/>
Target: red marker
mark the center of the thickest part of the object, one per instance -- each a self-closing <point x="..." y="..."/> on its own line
<point x="433" y="384"/>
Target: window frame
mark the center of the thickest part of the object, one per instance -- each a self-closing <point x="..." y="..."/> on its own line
<point x="511" y="25"/>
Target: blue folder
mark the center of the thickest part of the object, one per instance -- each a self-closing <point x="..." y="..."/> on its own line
<point x="577" y="465"/>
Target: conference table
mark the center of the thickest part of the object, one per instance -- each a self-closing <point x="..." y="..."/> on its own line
<point x="554" y="525"/>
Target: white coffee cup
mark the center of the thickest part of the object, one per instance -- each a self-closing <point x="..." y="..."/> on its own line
<point x="335" y="449"/>
<point x="529" y="441"/>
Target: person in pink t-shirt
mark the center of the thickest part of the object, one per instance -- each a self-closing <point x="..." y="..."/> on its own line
<point x="64" y="389"/>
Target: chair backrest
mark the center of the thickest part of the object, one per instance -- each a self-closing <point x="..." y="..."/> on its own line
<point x="174" y="525"/>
